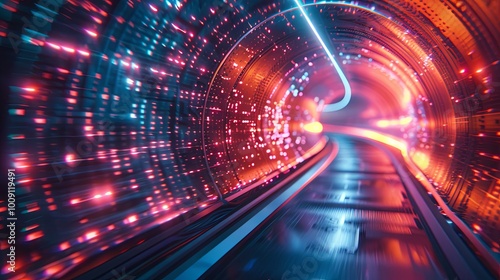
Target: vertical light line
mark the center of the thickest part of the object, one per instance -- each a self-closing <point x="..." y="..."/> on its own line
<point x="347" y="87"/>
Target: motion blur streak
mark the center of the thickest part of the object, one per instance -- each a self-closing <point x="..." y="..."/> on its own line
<point x="135" y="126"/>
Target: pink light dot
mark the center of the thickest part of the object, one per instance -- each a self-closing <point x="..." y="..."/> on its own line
<point x="70" y="157"/>
<point x="91" y="33"/>
<point x="132" y="219"/>
<point x="90" y="235"/>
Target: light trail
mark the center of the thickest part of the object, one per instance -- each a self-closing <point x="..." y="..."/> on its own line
<point x="347" y="87"/>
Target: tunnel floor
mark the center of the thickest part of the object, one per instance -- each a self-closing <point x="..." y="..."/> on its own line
<point x="354" y="221"/>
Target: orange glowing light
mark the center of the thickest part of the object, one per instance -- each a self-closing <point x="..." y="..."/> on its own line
<point x="401" y="122"/>
<point x="78" y="259"/>
<point x="53" y="269"/>
<point x="314" y="127"/>
<point x="476" y="227"/>
<point x="34" y="235"/>
<point x="420" y="159"/>
<point x="366" y="133"/>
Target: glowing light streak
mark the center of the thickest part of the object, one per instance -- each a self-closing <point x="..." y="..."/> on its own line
<point x="54" y="46"/>
<point x="178" y="28"/>
<point x="68" y="49"/>
<point x="91" y="33"/>
<point x="313" y="127"/>
<point x="392" y="141"/>
<point x="401" y="122"/>
<point x="347" y="87"/>
<point x="90" y="235"/>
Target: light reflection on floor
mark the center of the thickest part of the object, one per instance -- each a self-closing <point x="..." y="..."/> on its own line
<point x="352" y="222"/>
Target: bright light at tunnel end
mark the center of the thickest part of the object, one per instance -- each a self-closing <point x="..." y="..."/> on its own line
<point x="313" y="127"/>
<point x="347" y="87"/>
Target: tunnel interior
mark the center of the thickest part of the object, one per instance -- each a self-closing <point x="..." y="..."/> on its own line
<point x="122" y="116"/>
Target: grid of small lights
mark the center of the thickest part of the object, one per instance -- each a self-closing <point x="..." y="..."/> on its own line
<point x="114" y="91"/>
<point x="258" y="103"/>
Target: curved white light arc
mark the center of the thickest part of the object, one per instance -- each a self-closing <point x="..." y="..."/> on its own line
<point x="347" y="87"/>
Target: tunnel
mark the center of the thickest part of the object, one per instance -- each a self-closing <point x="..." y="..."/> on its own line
<point x="249" y="139"/>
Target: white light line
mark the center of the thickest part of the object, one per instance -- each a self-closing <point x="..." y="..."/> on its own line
<point x="347" y="87"/>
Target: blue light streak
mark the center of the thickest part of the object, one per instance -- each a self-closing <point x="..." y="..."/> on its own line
<point x="347" y="87"/>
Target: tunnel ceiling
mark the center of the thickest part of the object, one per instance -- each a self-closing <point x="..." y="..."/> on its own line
<point x="125" y="114"/>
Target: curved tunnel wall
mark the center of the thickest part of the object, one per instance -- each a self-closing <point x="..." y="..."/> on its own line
<point x="124" y="114"/>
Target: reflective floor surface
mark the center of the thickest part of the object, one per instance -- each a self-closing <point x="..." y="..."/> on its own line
<point x="354" y="221"/>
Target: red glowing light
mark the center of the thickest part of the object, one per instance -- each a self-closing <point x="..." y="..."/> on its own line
<point x="64" y="246"/>
<point x="53" y="270"/>
<point x="34" y="235"/>
<point x="90" y="235"/>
